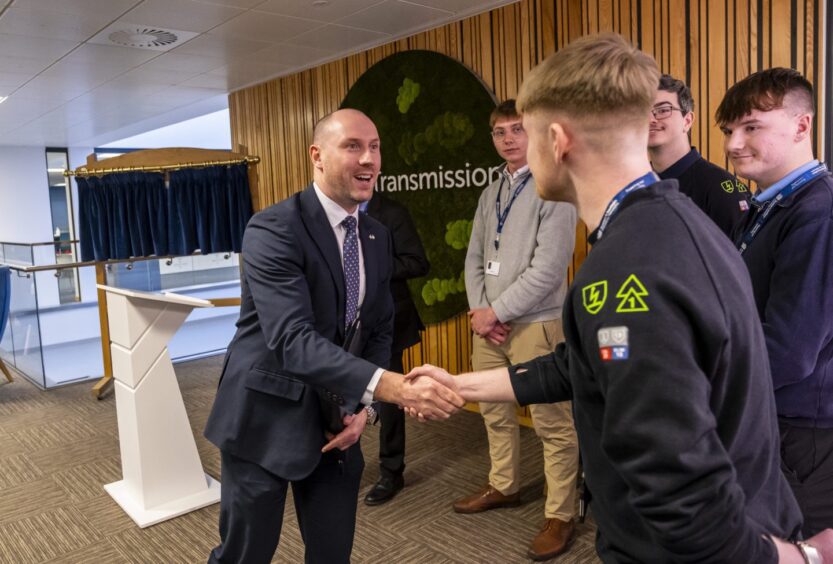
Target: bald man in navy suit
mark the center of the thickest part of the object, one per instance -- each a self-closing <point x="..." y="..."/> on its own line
<point x="311" y="267"/>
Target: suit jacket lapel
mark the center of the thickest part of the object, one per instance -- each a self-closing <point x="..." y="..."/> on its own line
<point x="322" y="234"/>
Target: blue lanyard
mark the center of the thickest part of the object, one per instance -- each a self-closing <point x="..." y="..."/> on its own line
<point x="613" y="206"/>
<point x="501" y="217"/>
<point x="772" y="197"/>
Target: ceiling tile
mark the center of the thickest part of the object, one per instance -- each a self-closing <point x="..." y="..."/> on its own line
<point x="91" y="73"/>
<point x="265" y="27"/>
<point x="110" y="55"/>
<point x="185" y="63"/>
<point x="110" y="9"/>
<point x="245" y="72"/>
<point x="13" y="79"/>
<point x="245" y="4"/>
<point x="463" y="6"/>
<point x="208" y="80"/>
<point x="340" y="38"/>
<point x="327" y="12"/>
<point x="186" y="15"/>
<point x="34" y="47"/>
<point x="151" y="77"/>
<point x="60" y="118"/>
<point x="26" y="108"/>
<point x="186" y="95"/>
<point x="22" y="65"/>
<point x="52" y="25"/>
<point x="45" y="88"/>
<point x="131" y="84"/>
<point x="395" y="17"/>
<point x="209" y="45"/>
<point x="292" y="55"/>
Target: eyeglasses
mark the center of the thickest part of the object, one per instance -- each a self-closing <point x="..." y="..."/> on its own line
<point x="663" y="111"/>
<point x="500" y="133"/>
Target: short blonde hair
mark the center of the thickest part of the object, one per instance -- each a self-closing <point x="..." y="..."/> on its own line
<point x="595" y="75"/>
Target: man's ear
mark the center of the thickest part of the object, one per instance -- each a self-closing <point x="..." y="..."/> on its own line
<point x="688" y="121"/>
<point x="560" y="142"/>
<point x="315" y="156"/>
<point x="804" y="126"/>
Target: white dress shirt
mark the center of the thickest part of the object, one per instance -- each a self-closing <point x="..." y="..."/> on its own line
<point x="335" y="215"/>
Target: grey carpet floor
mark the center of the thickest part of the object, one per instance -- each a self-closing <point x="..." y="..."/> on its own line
<point x="58" y="448"/>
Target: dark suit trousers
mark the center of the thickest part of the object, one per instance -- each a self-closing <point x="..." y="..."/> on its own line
<point x="252" y="505"/>
<point x="392" y="431"/>
<point x="807" y="463"/>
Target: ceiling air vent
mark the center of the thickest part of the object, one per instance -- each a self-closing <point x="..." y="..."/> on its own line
<point x="143" y="37"/>
<point x="136" y="36"/>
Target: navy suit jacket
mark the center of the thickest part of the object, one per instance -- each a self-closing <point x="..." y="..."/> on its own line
<point x="289" y="335"/>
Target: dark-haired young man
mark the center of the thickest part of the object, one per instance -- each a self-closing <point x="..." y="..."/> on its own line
<point x="715" y="191"/>
<point x="787" y="244"/>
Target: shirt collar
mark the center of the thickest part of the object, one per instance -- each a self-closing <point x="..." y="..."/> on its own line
<point x="517" y="175"/>
<point x="335" y="213"/>
<point x="773" y="190"/>
<point x="679" y="167"/>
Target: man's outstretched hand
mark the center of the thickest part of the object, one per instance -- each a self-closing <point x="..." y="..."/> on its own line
<point x="428" y="371"/>
<point x="426" y="396"/>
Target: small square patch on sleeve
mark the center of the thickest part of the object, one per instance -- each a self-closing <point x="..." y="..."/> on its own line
<point x="613" y="343"/>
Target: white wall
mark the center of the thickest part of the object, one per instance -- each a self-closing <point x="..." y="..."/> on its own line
<point x="25" y="216"/>
<point x="211" y="131"/>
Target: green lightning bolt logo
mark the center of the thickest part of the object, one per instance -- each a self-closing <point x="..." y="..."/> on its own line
<point x="594" y="296"/>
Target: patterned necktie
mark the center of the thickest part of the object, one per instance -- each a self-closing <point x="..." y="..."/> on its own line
<point x="351" y="269"/>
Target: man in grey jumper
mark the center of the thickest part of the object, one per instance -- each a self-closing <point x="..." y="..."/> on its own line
<point x="516" y="279"/>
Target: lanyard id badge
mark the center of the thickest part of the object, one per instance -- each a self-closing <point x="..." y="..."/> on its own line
<point x="768" y="207"/>
<point x="501" y="216"/>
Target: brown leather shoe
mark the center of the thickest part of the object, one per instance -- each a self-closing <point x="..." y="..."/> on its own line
<point x="553" y="539"/>
<point x="486" y="499"/>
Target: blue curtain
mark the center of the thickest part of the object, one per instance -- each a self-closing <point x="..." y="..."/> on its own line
<point x="208" y="209"/>
<point x="124" y="215"/>
<point x="5" y="297"/>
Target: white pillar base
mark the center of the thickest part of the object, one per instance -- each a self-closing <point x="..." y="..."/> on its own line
<point x="120" y="492"/>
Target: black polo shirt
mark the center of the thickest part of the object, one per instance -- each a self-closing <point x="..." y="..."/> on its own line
<point x="719" y="194"/>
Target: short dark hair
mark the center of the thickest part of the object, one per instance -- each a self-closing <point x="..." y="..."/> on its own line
<point x="505" y="110"/>
<point x="764" y="91"/>
<point x="668" y="83"/>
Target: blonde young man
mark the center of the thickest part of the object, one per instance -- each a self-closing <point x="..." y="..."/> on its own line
<point x="664" y="359"/>
<point x="516" y="279"/>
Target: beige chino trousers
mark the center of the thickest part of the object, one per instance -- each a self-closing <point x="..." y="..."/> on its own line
<point x="553" y="423"/>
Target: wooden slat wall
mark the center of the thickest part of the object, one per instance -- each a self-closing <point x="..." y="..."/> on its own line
<point x="709" y="43"/>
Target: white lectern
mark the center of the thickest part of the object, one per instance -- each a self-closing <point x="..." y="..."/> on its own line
<point x="162" y="473"/>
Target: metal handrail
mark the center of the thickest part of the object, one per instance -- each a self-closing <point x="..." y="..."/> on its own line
<point x="47" y="267"/>
<point x="59" y="242"/>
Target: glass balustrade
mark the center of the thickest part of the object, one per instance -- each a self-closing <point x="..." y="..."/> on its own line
<point x="54" y="342"/>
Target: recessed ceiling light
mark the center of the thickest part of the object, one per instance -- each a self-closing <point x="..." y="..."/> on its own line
<point x="319" y="3"/>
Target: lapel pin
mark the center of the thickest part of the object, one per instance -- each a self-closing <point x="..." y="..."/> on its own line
<point x="371" y="236"/>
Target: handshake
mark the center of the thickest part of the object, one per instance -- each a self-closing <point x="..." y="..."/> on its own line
<point x="426" y="392"/>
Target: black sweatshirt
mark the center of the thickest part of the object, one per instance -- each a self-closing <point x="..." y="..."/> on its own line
<point x="666" y="364"/>
<point x="720" y="195"/>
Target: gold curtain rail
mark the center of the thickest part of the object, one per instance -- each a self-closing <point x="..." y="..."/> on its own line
<point x="82" y="171"/>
